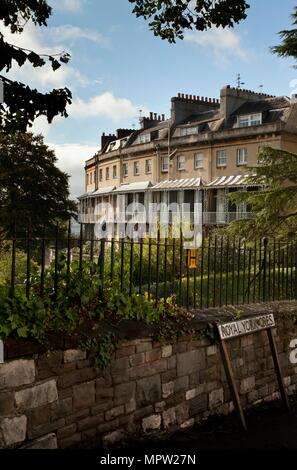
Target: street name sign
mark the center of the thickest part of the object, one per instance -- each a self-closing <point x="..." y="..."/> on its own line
<point x="246" y="326"/>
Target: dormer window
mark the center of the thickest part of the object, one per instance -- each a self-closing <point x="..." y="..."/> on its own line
<point x="250" y="120"/>
<point x="111" y="147"/>
<point x="184" y="131"/>
<point x="143" y="139"/>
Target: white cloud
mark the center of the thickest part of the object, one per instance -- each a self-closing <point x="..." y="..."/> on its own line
<point x="73" y="33"/>
<point x="224" y="44"/>
<point x="104" y="105"/>
<point x="38" y="40"/>
<point x="71" y="159"/>
<point x="72" y="6"/>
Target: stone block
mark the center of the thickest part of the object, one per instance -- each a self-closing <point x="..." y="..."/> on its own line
<point x="151" y="423"/>
<point x="247" y="385"/>
<point x="160" y="406"/>
<point x="194" y="392"/>
<point x="171" y="362"/>
<point x="14" y="430"/>
<point x="84" y="395"/>
<point x="124" y="393"/>
<point x="144" y="346"/>
<point x="167" y="351"/>
<point x="155" y="367"/>
<point x="66" y="431"/>
<point x="182" y="412"/>
<point x="36" y="396"/>
<point x="17" y="373"/>
<point x="130" y="406"/>
<point x="198" y="405"/>
<point x="154" y="355"/>
<point x="38" y="416"/>
<point x="216" y="398"/>
<point x="120" y="370"/>
<point x="70" y="442"/>
<point x="90" y="422"/>
<point x="211" y="350"/>
<point x="181" y="384"/>
<point x="6" y="403"/>
<point x="114" y="412"/>
<point x="74" y="355"/>
<point x="76" y="376"/>
<point x="148" y="390"/>
<point x="113" y="438"/>
<point x="169" y="418"/>
<point x="137" y="359"/>
<point x="167" y="389"/>
<point x="188" y="424"/>
<point x="61" y="408"/>
<point x="125" y="351"/>
<point x="190" y="361"/>
<point x="45" y="428"/>
<point x="44" y="442"/>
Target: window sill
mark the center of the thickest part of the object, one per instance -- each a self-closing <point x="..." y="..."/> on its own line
<point x="221" y="166"/>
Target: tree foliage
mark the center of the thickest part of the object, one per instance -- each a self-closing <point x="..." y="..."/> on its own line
<point x="23" y="104"/>
<point x="32" y="189"/>
<point x="170" y="18"/>
<point x="274" y="207"/>
<point x="288" y="47"/>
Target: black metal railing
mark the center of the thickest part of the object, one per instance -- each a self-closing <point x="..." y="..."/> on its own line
<point x="225" y="271"/>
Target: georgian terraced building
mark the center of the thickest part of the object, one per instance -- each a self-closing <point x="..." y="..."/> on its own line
<point x="199" y="154"/>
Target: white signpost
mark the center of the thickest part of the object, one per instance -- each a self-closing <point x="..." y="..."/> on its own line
<point x="247" y="326"/>
<point x="1" y="101"/>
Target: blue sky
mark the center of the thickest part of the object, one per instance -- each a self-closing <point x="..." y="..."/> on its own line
<point x="119" y="67"/>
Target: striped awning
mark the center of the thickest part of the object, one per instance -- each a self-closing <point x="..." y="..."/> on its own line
<point x="232" y="181"/>
<point x="103" y="191"/>
<point x="186" y="183"/>
<point x="133" y="187"/>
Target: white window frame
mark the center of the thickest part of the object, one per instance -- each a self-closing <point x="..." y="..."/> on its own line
<point x="164" y="164"/>
<point x="242" y="156"/>
<point x="198" y="161"/>
<point x="143" y="139"/>
<point x="221" y="155"/>
<point x="250" y="120"/>
<point x="181" y="162"/>
<point x="125" y="170"/>
<point x="136" y="168"/>
<point x="184" y="131"/>
<point x="148" y="166"/>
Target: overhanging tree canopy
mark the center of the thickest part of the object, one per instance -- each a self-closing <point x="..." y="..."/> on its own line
<point x="23" y="104"/>
<point x="170" y="18"/>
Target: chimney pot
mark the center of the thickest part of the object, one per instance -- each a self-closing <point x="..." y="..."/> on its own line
<point x="151" y="116"/>
<point x="163" y="117"/>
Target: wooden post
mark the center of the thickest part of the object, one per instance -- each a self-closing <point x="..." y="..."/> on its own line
<point x="277" y="367"/>
<point x="232" y="384"/>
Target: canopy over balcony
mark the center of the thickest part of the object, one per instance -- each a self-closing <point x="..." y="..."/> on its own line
<point x="186" y="183"/>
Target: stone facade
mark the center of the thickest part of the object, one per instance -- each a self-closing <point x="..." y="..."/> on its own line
<point x="58" y="399"/>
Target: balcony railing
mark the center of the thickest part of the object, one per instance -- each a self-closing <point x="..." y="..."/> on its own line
<point x="222" y="218"/>
<point x="208" y="218"/>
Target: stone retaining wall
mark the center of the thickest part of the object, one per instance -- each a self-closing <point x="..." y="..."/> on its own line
<point x="57" y="399"/>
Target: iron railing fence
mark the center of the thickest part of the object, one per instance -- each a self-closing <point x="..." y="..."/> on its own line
<point x="225" y="271"/>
